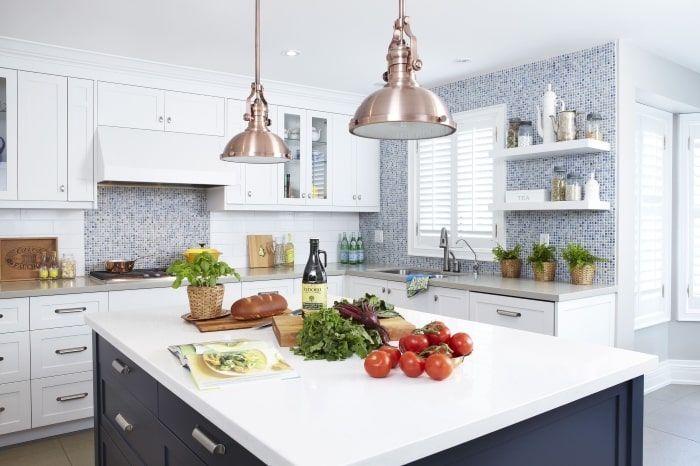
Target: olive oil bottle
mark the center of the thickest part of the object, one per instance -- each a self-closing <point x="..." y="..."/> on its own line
<point x="314" y="284"/>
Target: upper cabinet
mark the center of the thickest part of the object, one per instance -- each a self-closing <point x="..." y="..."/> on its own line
<point x="305" y="178"/>
<point x="127" y="106"/>
<point x="8" y="134"/>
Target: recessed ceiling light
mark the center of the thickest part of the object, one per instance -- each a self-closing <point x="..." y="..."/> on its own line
<point x="463" y="60"/>
<point x="291" y="52"/>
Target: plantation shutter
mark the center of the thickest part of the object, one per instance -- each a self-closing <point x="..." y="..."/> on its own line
<point x="693" y="165"/>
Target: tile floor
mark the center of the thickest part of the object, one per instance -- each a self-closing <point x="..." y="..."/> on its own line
<point x="671" y="435"/>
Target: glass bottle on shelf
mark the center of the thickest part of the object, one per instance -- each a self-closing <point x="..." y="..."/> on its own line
<point x="314" y="283"/>
<point x="53" y="265"/>
<point x="44" y="266"/>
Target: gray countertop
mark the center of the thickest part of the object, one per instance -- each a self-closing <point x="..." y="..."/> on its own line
<point x="485" y="283"/>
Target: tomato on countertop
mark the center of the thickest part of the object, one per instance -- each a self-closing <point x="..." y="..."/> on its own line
<point x="378" y="364"/>
<point x="461" y="344"/>
<point x="437" y="332"/>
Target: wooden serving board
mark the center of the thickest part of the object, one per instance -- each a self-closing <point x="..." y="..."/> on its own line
<point x="286" y="328"/>
<point x="259" y="253"/>
<point x="229" y="323"/>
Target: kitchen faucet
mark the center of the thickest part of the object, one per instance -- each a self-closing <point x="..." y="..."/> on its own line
<point x="475" y="267"/>
<point x="445" y="244"/>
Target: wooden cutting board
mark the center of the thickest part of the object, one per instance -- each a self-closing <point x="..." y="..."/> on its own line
<point x="259" y="253"/>
<point x="286" y="328"/>
<point x="229" y="323"/>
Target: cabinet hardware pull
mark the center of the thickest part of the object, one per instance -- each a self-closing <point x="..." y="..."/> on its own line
<point x="435" y="298"/>
<point x="269" y="292"/>
<point x="1" y="316"/>
<point x="359" y="197"/>
<point x="2" y="358"/>
<point x="70" y="310"/>
<point x="77" y="349"/>
<point x="160" y="119"/>
<point x="120" y="367"/>
<point x="508" y="313"/>
<point x="250" y="193"/>
<point x="354" y="197"/>
<point x="169" y="120"/>
<point x="77" y="396"/>
<point x="383" y="290"/>
<point x="388" y="291"/>
<point x="210" y="445"/>
<point x="2" y="408"/>
<point x="125" y="425"/>
<point x="303" y="195"/>
<point x="62" y="188"/>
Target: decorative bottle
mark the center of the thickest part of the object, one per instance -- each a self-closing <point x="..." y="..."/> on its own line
<point x="344" y="250"/>
<point x="44" y="266"/>
<point x="53" y="266"/>
<point x="314" y="284"/>
<point x="289" y="250"/>
<point x="592" y="189"/>
<point x="352" y="254"/>
<point x="360" y="249"/>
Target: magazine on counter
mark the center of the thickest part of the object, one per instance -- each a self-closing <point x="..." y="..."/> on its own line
<point x="217" y="363"/>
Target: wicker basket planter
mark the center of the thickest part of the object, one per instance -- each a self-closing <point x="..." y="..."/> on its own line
<point x="205" y="302"/>
<point x="510" y="268"/>
<point x="582" y="275"/>
<point x="546" y="275"/>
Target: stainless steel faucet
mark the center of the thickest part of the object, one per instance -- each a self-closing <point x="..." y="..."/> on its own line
<point x="475" y="267"/>
<point x="445" y="244"/>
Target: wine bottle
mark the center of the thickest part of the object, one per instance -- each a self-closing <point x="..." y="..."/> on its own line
<point x="344" y="250"/>
<point x="314" y="284"/>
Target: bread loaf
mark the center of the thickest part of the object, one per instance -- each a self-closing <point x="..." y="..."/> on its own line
<point x="259" y="306"/>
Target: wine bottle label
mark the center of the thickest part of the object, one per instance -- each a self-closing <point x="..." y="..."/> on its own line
<point x="314" y="296"/>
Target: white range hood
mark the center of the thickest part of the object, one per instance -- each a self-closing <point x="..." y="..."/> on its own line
<point x="126" y="155"/>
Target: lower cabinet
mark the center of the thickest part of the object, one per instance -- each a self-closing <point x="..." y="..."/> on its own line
<point x="140" y="422"/>
<point x="15" y="407"/>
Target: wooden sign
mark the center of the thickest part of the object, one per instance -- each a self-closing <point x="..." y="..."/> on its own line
<point x="21" y="257"/>
<point x="260" y="253"/>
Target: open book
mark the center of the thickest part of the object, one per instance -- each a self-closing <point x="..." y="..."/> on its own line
<point x="216" y="363"/>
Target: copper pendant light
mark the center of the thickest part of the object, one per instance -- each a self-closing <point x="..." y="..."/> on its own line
<point x="402" y="109"/>
<point x="257" y="144"/>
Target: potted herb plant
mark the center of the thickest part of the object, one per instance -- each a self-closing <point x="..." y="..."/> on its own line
<point x="509" y="259"/>
<point x="581" y="263"/>
<point x="205" y="294"/>
<point x="544" y="262"/>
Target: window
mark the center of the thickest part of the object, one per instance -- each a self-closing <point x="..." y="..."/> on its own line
<point x="653" y="210"/>
<point x="451" y="184"/>
<point x="689" y="217"/>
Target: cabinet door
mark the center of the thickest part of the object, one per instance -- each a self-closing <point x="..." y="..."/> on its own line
<point x="14" y="357"/>
<point x="397" y="295"/>
<point x="14" y="315"/>
<point x="61" y="399"/>
<point x="517" y="313"/>
<point x="284" y="287"/>
<point x="8" y="134"/>
<point x="130" y="106"/>
<point x="344" y="164"/>
<point x="64" y="310"/>
<point x="358" y="286"/>
<point x="194" y="114"/>
<point x="148" y="298"/>
<point x="81" y="131"/>
<point x="16" y="407"/>
<point x="367" y="171"/>
<point x="292" y="126"/>
<point x="42" y="171"/>
<point x="58" y="351"/>
<point x="320" y="159"/>
<point x="450" y="302"/>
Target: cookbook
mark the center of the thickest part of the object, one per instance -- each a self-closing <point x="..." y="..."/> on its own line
<point x="223" y="362"/>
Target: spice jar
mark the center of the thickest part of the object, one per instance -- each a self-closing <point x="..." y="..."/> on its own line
<point x="593" y="126"/>
<point x="559" y="184"/>
<point x="67" y="266"/>
<point x="513" y="126"/>
<point x="573" y="187"/>
<point x="525" y="134"/>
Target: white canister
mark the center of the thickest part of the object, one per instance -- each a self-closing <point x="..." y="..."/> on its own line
<point x="592" y="190"/>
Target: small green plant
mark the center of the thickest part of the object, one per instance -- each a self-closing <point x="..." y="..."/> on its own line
<point x="541" y="253"/>
<point x="204" y="271"/>
<point x="504" y="254"/>
<point x="578" y="256"/>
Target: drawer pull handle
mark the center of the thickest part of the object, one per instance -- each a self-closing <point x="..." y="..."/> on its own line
<point x="125" y="425"/>
<point x="77" y="349"/>
<point x="77" y="396"/>
<point x="2" y="408"/>
<point x="503" y="312"/>
<point x="2" y="358"/>
<point x="70" y="310"/>
<point x="210" y="445"/>
<point x="120" y="367"/>
<point x="269" y="292"/>
<point x="1" y="316"/>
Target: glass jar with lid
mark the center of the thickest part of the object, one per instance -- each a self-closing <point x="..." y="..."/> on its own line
<point x="593" y="126"/>
<point x="573" y="187"/>
<point x="525" y="133"/>
<point x="513" y="127"/>
<point x="558" y="184"/>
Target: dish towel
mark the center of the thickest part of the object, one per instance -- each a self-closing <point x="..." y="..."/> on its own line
<point x="416" y="283"/>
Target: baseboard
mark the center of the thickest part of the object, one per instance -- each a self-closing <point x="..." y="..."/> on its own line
<point x="46" y="431"/>
<point x="673" y="371"/>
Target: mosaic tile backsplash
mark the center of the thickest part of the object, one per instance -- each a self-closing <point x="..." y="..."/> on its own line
<point x="586" y="82"/>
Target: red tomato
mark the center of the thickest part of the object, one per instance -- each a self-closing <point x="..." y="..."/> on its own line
<point x="411" y="364"/>
<point x="461" y="344"/>
<point x="437" y="332"/>
<point x="394" y="352"/>
<point x="438" y="366"/>
<point x="413" y="342"/>
<point x="378" y="364"/>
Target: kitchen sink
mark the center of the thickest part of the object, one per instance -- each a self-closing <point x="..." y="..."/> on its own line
<point x="410" y="271"/>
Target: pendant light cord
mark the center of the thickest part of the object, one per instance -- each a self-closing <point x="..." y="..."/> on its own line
<point x="257" y="44"/>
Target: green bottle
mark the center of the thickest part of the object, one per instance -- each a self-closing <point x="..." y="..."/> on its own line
<point x="352" y="256"/>
<point x="360" y="249"/>
<point x="344" y="250"/>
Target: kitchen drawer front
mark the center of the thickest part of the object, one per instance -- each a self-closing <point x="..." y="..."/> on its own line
<point x="183" y="421"/>
<point x="65" y="310"/>
<point x="126" y="375"/>
<point x="62" y="398"/>
<point x="14" y="315"/>
<point x="15" y="407"/>
<point x="58" y="351"/>
<point x="112" y="449"/>
<point x="284" y="287"/>
<point x="145" y="298"/>
<point x="517" y="313"/>
<point x="14" y="357"/>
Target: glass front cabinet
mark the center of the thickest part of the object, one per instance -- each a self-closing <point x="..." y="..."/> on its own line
<point x="305" y="178"/>
<point x="8" y="134"/>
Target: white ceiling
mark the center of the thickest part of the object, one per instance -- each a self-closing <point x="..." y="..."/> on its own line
<point x="344" y="44"/>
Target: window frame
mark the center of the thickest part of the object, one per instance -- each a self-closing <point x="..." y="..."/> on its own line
<point x="483" y="250"/>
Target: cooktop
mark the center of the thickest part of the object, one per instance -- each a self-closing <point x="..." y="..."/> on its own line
<point x="136" y="274"/>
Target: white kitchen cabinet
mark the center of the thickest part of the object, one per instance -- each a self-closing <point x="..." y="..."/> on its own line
<point x="14" y="315"/>
<point x="439" y="300"/>
<point x="127" y="106"/>
<point x="449" y="302"/>
<point x="507" y="311"/>
<point x="14" y="351"/>
<point x="283" y="286"/>
<point x="15" y="366"/>
<point x="63" y="398"/>
<point x="16" y="404"/>
<point x="64" y="310"/>
<point x="81" y="136"/>
<point x="8" y="133"/>
<point x="58" y="351"/>
<point x="355" y="169"/>
<point x="126" y="300"/>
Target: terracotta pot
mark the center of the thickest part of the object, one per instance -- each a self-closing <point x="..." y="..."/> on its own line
<point x="547" y="275"/>
<point x="510" y="268"/>
<point x="582" y="275"/>
<point x="205" y="302"/>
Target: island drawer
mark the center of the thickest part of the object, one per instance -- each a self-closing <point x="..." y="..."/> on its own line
<point x="125" y="374"/>
<point x="188" y="426"/>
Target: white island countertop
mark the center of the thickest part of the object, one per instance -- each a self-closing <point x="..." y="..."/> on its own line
<point x="334" y="413"/>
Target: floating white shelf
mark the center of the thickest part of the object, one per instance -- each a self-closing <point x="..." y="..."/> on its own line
<point x="552" y="205"/>
<point x="554" y="149"/>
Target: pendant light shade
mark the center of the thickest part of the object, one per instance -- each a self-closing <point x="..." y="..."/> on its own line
<point x="257" y="144"/>
<point x="402" y="109"/>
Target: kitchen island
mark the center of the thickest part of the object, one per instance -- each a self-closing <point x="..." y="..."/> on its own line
<point x="520" y="398"/>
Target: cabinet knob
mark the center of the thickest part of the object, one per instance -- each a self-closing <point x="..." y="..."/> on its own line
<point x="303" y="195"/>
<point x="210" y="445"/>
<point x="169" y="120"/>
<point x="388" y="291"/>
<point x="354" y="197"/>
<point x="359" y="197"/>
<point x="435" y="298"/>
<point x="250" y="193"/>
<point x="160" y="119"/>
<point x="120" y="367"/>
<point x="125" y="425"/>
<point x="62" y="188"/>
<point x="383" y="290"/>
